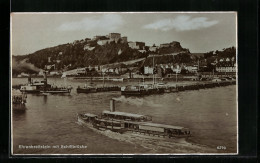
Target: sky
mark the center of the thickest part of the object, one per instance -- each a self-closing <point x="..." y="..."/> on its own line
<point x="199" y="32"/>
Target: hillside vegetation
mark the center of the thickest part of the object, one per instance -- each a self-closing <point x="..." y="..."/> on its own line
<point x="83" y="53"/>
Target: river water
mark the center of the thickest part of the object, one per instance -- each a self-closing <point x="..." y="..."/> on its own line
<point x="210" y="114"/>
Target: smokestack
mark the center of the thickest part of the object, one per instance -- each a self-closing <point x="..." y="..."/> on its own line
<point x="29" y="79"/>
<point x="45" y="78"/>
<point x="112" y="105"/>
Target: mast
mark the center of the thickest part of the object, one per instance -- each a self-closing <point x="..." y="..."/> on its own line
<point x="176" y="69"/>
<point x="103" y="79"/>
<point x="153" y="70"/>
<point x="198" y="64"/>
<point x="176" y="77"/>
<point x="45" y="78"/>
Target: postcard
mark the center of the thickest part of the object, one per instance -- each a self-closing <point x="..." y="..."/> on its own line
<point x="124" y="83"/>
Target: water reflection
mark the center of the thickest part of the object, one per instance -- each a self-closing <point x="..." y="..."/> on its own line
<point x="45" y="99"/>
<point x="19" y="114"/>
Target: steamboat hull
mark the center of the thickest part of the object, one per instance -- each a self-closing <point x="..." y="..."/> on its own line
<point x="57" y="91"/>
<point x="142" y="92"/>
<point x="82" y="90"/>
<point x="99" y="89"/>
<point x="30" y="91"/>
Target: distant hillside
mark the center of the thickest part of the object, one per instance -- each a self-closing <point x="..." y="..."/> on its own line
<point x="87" y="52"/>
<point x="82" y="53"/>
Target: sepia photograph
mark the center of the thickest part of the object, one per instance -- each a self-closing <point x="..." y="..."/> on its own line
<point x="124" y="83"/>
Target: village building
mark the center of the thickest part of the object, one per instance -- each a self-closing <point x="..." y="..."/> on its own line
<point x="114" y="37"/>
<point x="165" y="45"/>
<point x="192" y="68"/>
<point x="97" y="37"/>
<point x="171" y="44"/>
<point x="142" y="51"/>
<point x="88" y="47"/>
<point x="80" y="71"/>
<point x="153" y="48"/>
<point x="124" y="39"/>
<point x="148" y="70"/>
<point x="103" y="41"/>
<point x="177" y="69"/>
<point x="226" y="67"/>
<point x="136" y="45"/>
<point x="48" y="67"/>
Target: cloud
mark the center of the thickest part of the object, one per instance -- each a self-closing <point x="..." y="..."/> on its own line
<point x="181" y="23"/>
<point x="108" y="22"/>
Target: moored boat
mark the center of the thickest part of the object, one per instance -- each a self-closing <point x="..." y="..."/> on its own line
<point x="18" y="100"/>
<point x="141" y="89"/>
<point x="35" y="86"/>
<point x="94" y="89"/>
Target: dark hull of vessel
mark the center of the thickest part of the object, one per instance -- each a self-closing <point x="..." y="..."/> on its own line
<point x="94" y="90"/>
<point x="56" y="91"/>
<point x="142" y="92"/>
<point x="86" y="90"/>
<point x="134" y="93"/>
<point x="30" y="91"/>
<point x="107" y="89"/>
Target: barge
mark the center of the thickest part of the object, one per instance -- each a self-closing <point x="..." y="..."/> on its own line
<point x="57" y="90"/>
<point x="142" y="89"/>
<point x="123" y="122"/>
<point x="93" y="89"/>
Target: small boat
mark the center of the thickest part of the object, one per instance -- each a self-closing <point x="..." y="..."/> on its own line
<point x="123" y="122"/>
<point x="18" y="100"/>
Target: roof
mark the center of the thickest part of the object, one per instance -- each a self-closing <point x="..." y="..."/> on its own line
<point x="90" y="115"/>
<point x="124" y="114"/>
<point x="108" y="120"/>
<point x="162" y="125"/>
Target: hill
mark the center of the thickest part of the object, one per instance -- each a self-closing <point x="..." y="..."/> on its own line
<point x="85" y="52"/>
